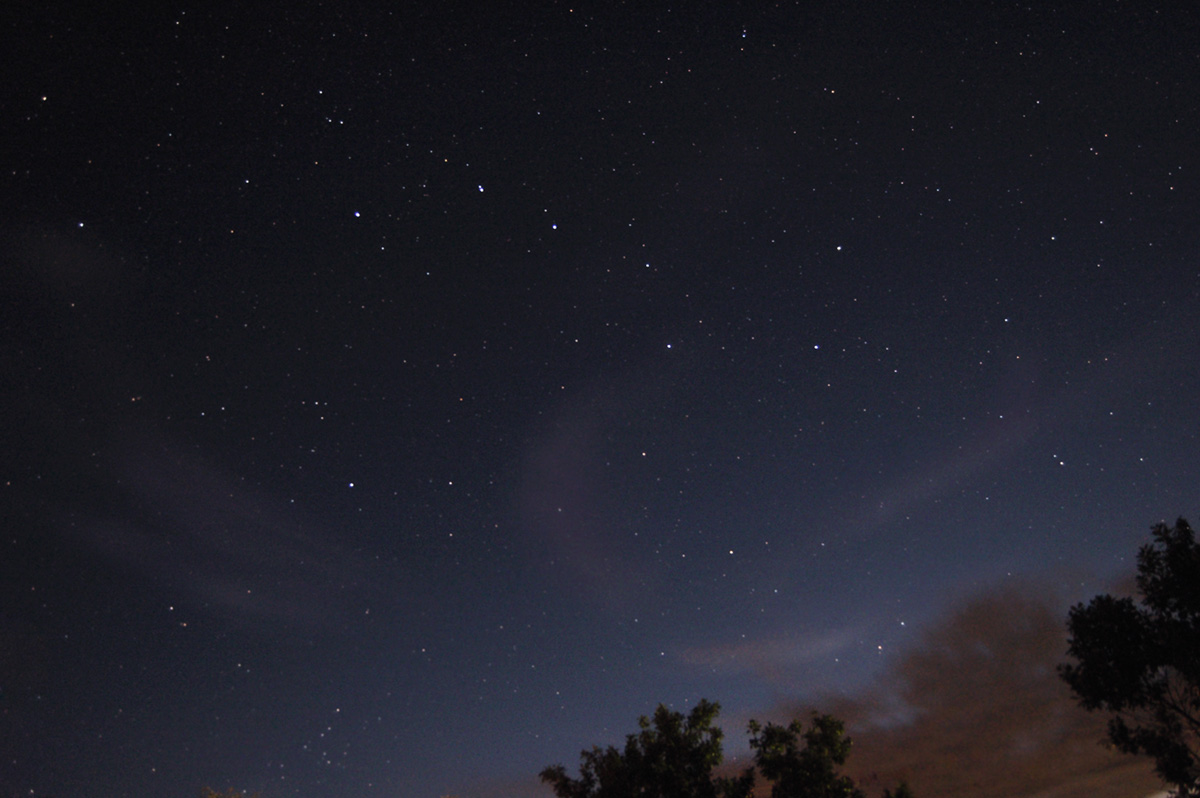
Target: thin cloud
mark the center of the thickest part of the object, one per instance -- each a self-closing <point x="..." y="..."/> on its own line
<point x="775" y="660"/>
<point x="187" y="526"/>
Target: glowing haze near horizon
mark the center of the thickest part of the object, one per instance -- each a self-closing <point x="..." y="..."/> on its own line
<point x="396" y="403"/>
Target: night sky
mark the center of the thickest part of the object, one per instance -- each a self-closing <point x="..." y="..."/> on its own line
<point x="396" y="402"/>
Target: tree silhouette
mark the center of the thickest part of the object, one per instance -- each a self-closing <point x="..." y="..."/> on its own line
<point x="674" y="756"/>
<point x="1142" y="662"/>
<point x="808" y="770"/>
<point x="671" y="757"/>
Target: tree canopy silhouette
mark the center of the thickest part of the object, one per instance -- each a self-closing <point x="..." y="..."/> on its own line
<point x="671" y="757"/>
<point x="674" y="756"/>
<point x="808" y="770"/>
<point x="1141" y="661"/>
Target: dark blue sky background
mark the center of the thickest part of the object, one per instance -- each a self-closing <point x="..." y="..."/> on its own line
<point x="396" y="402"/>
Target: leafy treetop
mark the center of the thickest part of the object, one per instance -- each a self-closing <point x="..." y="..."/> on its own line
<point x="674" y="756"/>
<point x="1141" y="663"/>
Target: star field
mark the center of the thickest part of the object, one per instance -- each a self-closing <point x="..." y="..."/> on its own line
<point x="397" y="402"/>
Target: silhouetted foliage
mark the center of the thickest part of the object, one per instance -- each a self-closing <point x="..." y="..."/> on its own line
<point x="804" y="764"/>
<point x="674" y="757"/>
<point x="671" y="757"/>
<point x="1142" y="662"/>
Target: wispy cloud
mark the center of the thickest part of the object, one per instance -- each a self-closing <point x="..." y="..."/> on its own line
<point x="776" y="660"/>
<point x="190" y="527"/>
